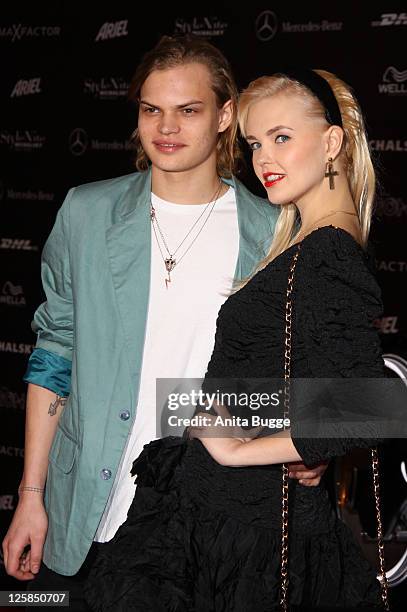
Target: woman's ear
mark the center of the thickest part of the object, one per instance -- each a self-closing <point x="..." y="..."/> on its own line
<point x="334" y="140"/>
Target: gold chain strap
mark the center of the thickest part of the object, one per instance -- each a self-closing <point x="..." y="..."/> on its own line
<point x="376" y="486"/>
<point x="284" y="503"/>
<point x="287" y="374"/>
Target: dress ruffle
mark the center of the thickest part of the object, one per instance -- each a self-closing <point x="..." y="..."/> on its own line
<point x="175" y="553"/>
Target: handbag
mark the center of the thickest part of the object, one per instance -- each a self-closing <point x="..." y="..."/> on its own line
<point x="284" y="578"/>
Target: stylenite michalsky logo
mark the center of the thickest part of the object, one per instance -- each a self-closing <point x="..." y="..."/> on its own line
<point x="20" y="348"/>
<point x="18" y="140"/>
<point x="106" y="88"/>
<point x="266" y="26"/>
<point x="388" y="145"/>
<point x="209" y="27"/>
<point x="78" y="141"/>
<point x="12" y="399"/>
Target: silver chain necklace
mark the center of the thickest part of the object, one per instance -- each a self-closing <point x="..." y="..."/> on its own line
<point x="170" y="262"/>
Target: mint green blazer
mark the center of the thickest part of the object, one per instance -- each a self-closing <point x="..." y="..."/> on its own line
<point x="90" y="337"/>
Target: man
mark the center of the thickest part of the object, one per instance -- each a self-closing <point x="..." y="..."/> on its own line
<point x="134" y="270"/>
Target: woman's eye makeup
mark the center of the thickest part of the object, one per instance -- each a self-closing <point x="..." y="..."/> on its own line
<point x="254" y="145"/>
<point x="282" y="138"/>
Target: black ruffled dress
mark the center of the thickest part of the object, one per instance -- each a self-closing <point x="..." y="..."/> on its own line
<point x="201" y="537"/>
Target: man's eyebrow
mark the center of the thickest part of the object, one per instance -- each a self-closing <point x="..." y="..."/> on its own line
<point x="189" y="103"/>
<point x="271" y="131"/>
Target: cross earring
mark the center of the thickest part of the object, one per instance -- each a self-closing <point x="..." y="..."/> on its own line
<point x="330" y="173"/>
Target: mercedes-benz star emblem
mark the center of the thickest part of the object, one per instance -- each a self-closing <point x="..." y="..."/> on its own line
<point x="266" y="26"/>
<point x="78" y="141"/>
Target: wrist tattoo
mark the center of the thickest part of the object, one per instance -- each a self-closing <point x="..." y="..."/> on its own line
<point x="59" y="401"/>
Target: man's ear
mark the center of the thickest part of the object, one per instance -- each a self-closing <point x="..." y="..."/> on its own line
<point x="225" y="116"/>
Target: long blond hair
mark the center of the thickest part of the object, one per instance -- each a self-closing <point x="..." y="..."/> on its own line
<point x="355" y="149"/>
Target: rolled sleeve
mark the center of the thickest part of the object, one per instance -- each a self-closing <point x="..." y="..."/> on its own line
<point x="49" y="370"/>
<point x="53" y="319"/>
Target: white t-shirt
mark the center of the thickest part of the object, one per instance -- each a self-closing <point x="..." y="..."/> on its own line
<point x="181" y="322"/>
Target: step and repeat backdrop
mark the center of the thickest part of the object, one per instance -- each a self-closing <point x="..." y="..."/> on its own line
<point x="65" y="120"/>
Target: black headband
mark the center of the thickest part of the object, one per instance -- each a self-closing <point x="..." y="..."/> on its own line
<point x="320" y="88"/>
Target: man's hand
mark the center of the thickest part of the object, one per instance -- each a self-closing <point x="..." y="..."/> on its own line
<point x="309" y="477"/>
<point x="28" y="527"/>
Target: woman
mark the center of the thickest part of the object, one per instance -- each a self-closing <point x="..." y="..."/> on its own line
<point x="204" y="530"/>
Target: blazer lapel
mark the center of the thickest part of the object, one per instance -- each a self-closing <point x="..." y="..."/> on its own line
<point x="129" y="250"/>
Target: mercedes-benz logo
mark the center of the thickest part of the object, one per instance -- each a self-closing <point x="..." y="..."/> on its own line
<point x="78" y="141"/>
<point x="266" y="26"/>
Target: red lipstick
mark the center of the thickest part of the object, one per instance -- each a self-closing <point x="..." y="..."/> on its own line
<point x="271" y="178"/>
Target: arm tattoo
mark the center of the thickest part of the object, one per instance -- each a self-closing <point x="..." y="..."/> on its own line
<point x="59" y="401"/>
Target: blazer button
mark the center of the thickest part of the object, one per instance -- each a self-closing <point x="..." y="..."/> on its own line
<point x="105" y="474"/>
<point x="125" y="415"/>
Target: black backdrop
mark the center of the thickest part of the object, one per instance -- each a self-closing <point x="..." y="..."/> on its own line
<point x="65" y="120"/>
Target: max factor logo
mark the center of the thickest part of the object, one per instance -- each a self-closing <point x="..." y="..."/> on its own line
<point x="111" y="30"/>
<point x="12" y="295"/>
<point x="200" y="26"/>
<point x="11" y="451"/>
<point x="18" y="31"/>
<point x="26" y="87"/>
<point x="393" y="81"/>
<point x="391" y="19"/>
<point x="16" y="244"/>
<point x="392" y="266"/>
<point x="266" y="26"/>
